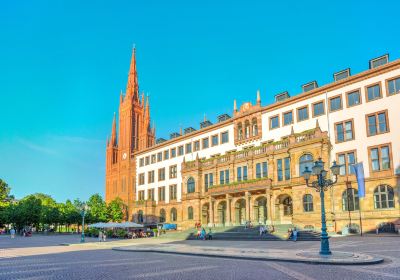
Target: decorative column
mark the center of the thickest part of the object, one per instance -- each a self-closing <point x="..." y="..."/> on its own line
<point x="211" y="212"/>
<point x="247" y="198"/>
<point x="228" y="210"/>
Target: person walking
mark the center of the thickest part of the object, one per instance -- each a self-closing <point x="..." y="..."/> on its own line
<point x="203" y="234"/>
<point x="261" y="230"/>
<point x="294" y="234"/>
<point x="104" y="237"/>
<point x="12" y="232"/>
<point x="209" y="234"/>
<point x="100" y="236"/>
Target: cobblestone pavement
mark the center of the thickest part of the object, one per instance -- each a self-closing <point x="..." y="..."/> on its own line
<point x="97" y="261"/>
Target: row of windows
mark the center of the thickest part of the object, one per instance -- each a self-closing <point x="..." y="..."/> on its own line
<point x="186" y="149"/>
<point x="335" y="103"/>
<point x="161" y="175"/>
<point x="173" y="193"/>
<point x="248" y="130"/>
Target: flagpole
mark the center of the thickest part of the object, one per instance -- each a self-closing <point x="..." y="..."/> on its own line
<point x="359" y="209"/>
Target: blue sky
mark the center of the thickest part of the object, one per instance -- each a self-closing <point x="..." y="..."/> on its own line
<point x="63" y="64"/>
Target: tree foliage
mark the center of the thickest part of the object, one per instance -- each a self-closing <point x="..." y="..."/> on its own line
<point x="115" y="210"/>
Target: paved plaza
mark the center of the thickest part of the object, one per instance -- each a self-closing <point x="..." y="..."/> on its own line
<point x="41" y="257"/>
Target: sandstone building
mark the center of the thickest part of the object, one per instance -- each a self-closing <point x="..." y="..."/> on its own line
<point x="248" y="166"/>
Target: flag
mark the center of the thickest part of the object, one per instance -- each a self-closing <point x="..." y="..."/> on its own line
<point x="359" y="170"/>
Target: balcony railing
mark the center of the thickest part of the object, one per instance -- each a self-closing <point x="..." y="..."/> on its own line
<point x="287" y="142"/>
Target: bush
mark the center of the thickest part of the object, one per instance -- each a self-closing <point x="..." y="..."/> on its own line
<point x="93" y="232"/>
<point x="109" y="233"/>
<point x="121" y="233"/>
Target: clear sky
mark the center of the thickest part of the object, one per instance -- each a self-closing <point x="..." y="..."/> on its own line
<point x="63" y="64"/>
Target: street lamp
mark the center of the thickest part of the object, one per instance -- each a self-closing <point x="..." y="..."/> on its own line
<point x="321" y="185"/>
<point x="84" y="209"/>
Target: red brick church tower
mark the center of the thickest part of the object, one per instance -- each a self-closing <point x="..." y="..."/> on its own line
<point x="134" y="134"/>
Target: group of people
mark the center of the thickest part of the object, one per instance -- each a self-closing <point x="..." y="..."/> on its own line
<point x="292" y="234"/>
<point x="102" y="236"/>
<point x="201" y="233"/>
<point x="266" y="229"/>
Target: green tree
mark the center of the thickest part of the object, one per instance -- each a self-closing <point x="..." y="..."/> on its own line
<point x="27" y="212"/>
<point x="4" y="193"/>
<point x="115" y="210"/>
<point x="97" y="209"/>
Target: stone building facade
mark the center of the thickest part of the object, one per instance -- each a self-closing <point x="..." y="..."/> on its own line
<point x="248" y="167"/>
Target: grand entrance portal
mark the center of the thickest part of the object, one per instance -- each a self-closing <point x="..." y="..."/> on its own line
<point x="222" y="213"/>
<point x="260" y="210"/>
<point x="284" y="209"/>
<point x="240" y="212"/>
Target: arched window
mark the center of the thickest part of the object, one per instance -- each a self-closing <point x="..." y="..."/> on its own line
<point x="350" y="201"/>
<point x="305" y="161"/>
<point x="174" y="215"/>
<point x="247" y="129"/>
<point x="254" y="127"/>
<point x="162" y="216"/>
<point x="140" y="216"/>
<point x="287" y="206"/>
<point x="190" y="185"/>
<point x="240" y="131"/>
<point x="308" y="204"/>
<point x="190" y="213"/>
<point x="383" y="197"/>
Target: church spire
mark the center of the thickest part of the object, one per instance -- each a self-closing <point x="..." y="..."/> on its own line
<point x="114" y="133"/>
<point x="132" y="87"/>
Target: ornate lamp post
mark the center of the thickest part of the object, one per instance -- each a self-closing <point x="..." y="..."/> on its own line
<point x="321" y="185"/>
<point x="84" y="209"/>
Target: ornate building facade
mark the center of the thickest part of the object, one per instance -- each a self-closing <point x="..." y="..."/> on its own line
<point x="248" y="167"/>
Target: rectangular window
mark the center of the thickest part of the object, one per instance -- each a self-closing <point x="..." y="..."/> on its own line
<point x="150" y="194"/>
<point x="287" y="168"/>
<point x="222" y="177"/>
<point x="344" y="131"/>
<point x="208" y="181"/>
<point x="188" y="148"/>
<point x="283" y="168"/>
<point x="244" y="173"/>
<point x="287" y="118"/>
<point x="373" y="92"/>
<point x="161" y="194"/>
<point x="302" y="114"/>
<point x="141" y="162"/>
<point x="279" y="164"/>
<point x="206" y="143"/>
<point x="214" y="140"/>
<point x="227" y="176"/>
<point x="166" y="154"/>
<point x="147" y="160"/>
<point x="318" y="109"/>
<point x="141" y="195"/>
<point x="197" y="146"/>
<point x="274" y="122"/>
<point x="393" y="86"/>
<point x="173" y="152"/>
<point x="159" y="156"/>
<point x="353" y="98"/>
<point x="346" y="160"/>
<point x="150" y="176"/>
<point x="258" y="170"/>
<point x="377" y="123"/>
<point x="224" y="137"/>
<point x="172" y="192"/>
<point x="141" y="179"/>
<point x="239" y="174"/>
<point x="380" y="157"/>
<point x="172" y="172"/>
<point x="265" y="169"/>
<point x="180" y="151"/>
<point x="161" y="174"/>
<point x="335" y="103"/>
<point x="153" y="158"/>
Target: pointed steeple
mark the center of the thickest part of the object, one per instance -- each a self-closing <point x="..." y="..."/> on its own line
<point x="258" y="98"/>
<point x="132" y="87"/>
<point x="114" y="132"/>
<point x="234" y="105"/>
<point x="147" y="112"/>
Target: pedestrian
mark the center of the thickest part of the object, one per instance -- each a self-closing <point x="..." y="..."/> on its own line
<point x="198" y="233"/>
<point x="209" y="234"/>
<point x="203" y="234"/>
<point x="12" y="232"/>
<point x="261" y="230"/>
<point x="294" y="233"/>
<point x="100" y="236"/>
<point x="104" y="236"/>
<point x="290" y="232"/>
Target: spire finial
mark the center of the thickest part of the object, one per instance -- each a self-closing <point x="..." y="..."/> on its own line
<point x="292" y="131"/>
<point x="234" y="105"/>
<point x="258" y="97"/>
<point x="205" y="117"/>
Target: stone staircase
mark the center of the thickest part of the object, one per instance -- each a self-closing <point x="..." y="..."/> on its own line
<point x="245" y="234"/>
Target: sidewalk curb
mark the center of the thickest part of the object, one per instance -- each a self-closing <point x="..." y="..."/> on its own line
<point x="375" y="260"/>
